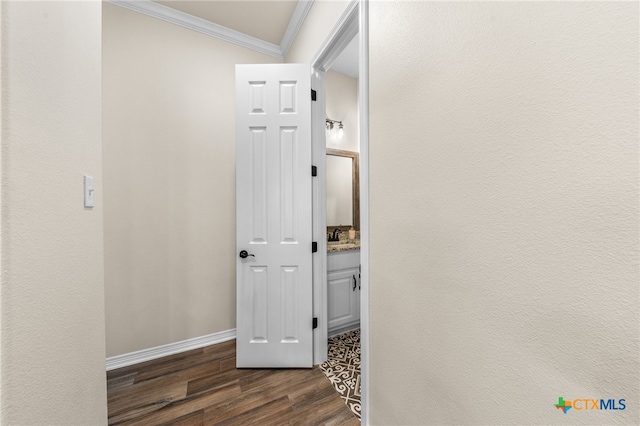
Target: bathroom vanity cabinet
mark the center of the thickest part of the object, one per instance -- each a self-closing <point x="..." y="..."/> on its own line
<point x="343" y="283"/>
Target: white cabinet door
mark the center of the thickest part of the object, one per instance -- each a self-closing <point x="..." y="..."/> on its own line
<point x="273" y="216"/>
<point x="342" y="297"/>
<point x="343" y="290"/>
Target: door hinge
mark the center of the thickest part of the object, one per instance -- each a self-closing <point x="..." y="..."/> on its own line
<point x="313" y="95"/>
<point x="314" y="171"/>
<point x="315" y="323"/>
<point x="314" y="247"/>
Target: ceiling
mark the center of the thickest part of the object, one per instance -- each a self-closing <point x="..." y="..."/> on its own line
<point x="267" y="19"/>
<point x="273" y="21"/>
<point x="347" y="62"/>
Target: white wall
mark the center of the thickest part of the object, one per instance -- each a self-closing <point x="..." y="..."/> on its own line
<point x="169" y="170"/>
<point x="342" y="105"/>
<point x="52" y="294"/>
<point x="504" y="211"/>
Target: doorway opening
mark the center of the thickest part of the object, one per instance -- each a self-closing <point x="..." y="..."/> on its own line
<point x="352" y="28"/>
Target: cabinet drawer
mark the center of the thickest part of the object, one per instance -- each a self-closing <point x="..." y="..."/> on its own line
<point x="343" y="260"/>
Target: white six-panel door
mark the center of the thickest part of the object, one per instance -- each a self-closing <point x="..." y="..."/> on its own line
<point x="273" y="216"/>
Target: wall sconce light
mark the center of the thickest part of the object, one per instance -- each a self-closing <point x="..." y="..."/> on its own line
<point x="332" y="123"/>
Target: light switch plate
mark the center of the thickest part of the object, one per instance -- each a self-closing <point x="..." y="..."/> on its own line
<point x="89" y="192"/>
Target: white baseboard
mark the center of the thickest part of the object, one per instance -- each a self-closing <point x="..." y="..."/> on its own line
<point x="143" y="355"/>
<point x="344" y="329"/>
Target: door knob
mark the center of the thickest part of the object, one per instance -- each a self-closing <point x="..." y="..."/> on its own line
<point x="244" y="254"/>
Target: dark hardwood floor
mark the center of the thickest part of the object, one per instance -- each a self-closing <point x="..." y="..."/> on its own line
<point x="203" y="387"/>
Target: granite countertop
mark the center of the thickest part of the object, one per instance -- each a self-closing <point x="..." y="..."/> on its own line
<point x="335" y="246"/>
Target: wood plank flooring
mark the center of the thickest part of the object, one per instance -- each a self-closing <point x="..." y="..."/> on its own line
<point x="203" y="387"/>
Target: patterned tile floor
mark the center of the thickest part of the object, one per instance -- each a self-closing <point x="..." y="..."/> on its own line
<point x="342" y="368"/>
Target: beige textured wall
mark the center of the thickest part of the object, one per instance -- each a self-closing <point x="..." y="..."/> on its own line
<point x="342" y="105"/>
<point x="52" y="293"/>
<point x="504" y="211"/>
<point x="169" y="172"/>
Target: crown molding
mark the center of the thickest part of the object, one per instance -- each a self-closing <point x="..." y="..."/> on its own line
<point x="203" y="26"/>
<point x="297" y="19"/>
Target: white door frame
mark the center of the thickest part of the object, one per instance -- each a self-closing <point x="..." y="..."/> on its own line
<point x="353" y="21"/>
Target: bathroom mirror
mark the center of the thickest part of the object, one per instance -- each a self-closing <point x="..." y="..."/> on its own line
<point x="343" y="189"/>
